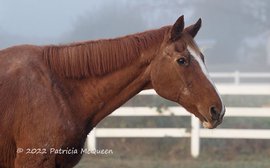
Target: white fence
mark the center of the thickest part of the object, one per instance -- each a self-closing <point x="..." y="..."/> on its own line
<point x="237" y="76"/>
<point x="195" y="132"/>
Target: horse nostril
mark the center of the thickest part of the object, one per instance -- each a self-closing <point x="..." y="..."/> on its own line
<point x="214" y="113"/>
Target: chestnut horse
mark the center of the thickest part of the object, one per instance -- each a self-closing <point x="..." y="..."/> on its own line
<point x="53" y="96"/>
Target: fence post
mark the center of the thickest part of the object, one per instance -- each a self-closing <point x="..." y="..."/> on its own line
<point x="195" y="136"/>
<point x="237" y="77"/>
<point x="91" y="140"/>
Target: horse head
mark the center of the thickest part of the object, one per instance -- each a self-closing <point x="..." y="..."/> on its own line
<point x="178" y="73"/>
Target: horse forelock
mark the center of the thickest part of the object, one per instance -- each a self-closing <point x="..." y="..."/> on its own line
<point x="96" y="58"/>
<point x="187" y="41"/>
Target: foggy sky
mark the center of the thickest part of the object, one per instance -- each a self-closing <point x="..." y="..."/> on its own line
<point x="234" y="32"/>
<point x="52" y="18"/>
<point x="44" y="19"/>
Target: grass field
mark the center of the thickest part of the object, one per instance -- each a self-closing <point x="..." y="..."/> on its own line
<point x="148" y="162"/>
<point x="175" y="153"/>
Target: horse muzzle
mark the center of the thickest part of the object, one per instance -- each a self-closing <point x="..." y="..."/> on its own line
<point x="216" y="118"/>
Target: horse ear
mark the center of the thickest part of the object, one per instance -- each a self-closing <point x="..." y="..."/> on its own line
<point x="193" y="29"/>
<point x="177" y="28"/>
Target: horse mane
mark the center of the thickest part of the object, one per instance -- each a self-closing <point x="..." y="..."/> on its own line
<point x="99" y="57"/>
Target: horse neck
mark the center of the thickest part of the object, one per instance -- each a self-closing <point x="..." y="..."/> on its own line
<point x="97" y="97"/>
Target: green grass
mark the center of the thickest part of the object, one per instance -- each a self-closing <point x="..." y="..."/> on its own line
<point x="175" y="153"/>
<point x="149" y="162"/>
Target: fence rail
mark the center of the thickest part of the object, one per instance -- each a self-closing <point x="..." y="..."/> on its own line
<point x="231" y="89"/>
<point x="194" y="132"/>
<point x="237" y="76"/>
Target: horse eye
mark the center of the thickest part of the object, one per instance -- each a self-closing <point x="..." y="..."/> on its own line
<point x="181" y="61"/>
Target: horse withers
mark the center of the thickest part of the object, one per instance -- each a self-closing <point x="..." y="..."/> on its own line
<point x="52" y="96"/>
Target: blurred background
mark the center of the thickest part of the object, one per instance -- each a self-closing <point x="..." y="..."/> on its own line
<point x="235" y="34"/>
<point x="235" y="37"/>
